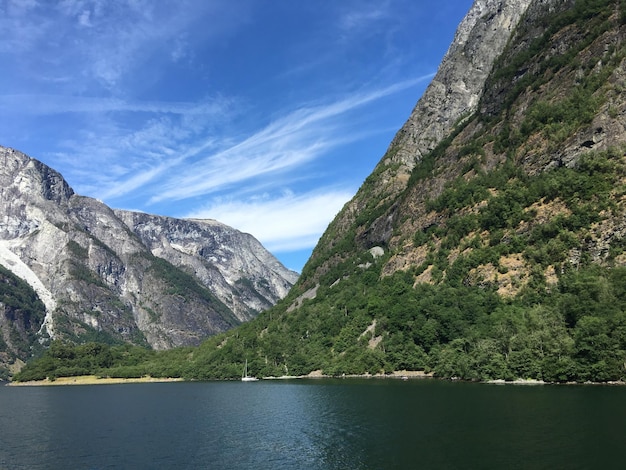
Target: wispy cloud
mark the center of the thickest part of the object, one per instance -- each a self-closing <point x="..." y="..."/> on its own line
<point x="286" y="223"/>
<point x="364" y="17"/>
<point x="110" y="40"/>
<point x="286" y="143"/>
<point x="252" y="169"/>
<point x="48" y="104"/>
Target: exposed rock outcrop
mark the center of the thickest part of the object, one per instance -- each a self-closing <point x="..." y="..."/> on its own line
<point x="459" y="83"/>
<point x="241" y="273"/>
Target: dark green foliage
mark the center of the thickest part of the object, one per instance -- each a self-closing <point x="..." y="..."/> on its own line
<point x="540" y="343"/>
<point x="15" y="292"/>
<point x="576" y="333"/>
<point x="77" y="250"/>
<point x="591" y="16"/>
<point x="80" y="272"/>
<point x="68" y="360"/>
<point x="250" y="288"/>
<point x="23" y="314"/>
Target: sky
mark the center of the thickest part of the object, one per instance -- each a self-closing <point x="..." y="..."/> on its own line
<point x="266" y="115"/>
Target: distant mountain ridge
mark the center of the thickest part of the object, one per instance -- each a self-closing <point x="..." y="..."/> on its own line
<point x="123" y="276"/>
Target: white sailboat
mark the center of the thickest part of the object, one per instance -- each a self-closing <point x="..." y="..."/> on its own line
<point x="245" y="377"/>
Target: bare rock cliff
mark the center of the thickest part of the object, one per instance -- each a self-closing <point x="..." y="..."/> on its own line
<point x="458" y="85"/>
<point x="122" y="276"/>
<point x="240" y="271"/>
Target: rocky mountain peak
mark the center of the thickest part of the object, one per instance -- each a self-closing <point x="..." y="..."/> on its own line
<point x="489" y="242"/>
<point x="453" y="94"/>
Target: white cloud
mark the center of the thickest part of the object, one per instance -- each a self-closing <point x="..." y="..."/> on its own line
<point x="287" y="223"/>
<point x="106" y="41"/>
<point x="46" y="104"/>
<point x="287" y="143"/>
<point x="84" y="19"/>
<point x="363" y="17"/>
<point x="177" y="150"/>
<point x="180" y="49"/>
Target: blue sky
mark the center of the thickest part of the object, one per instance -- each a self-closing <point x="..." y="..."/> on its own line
<point x="265" y="115"/>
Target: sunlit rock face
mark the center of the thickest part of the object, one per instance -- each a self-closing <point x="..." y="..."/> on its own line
<point x="240" y="271"/>
<point x="125" y="276"/>
<point x="456" y="89"/>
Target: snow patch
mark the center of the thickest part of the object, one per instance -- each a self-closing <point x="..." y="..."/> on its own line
<point x="14" y="264"/>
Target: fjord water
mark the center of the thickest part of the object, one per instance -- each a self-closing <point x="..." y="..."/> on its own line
<point x="312" y="424"/>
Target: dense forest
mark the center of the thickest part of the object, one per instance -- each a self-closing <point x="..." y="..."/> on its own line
<point x="517" y="268"/>
<point x="577" y="333"/>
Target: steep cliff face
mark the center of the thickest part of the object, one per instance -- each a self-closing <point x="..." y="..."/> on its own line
<point x="453" y="94"/>
<point x="21" y="316"/>
<point x="489" y="242"/>
<point x="241" y="273"/>
<point x="120" y="276"/>
<point x="554" y="100"/>
<point x="459" y="83"/>
<point x="510" y="62"/>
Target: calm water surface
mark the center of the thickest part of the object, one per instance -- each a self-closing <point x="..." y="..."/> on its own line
<point x="313" y="424"/>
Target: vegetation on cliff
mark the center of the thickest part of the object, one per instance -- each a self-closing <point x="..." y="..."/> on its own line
<point x="480" y="317"/>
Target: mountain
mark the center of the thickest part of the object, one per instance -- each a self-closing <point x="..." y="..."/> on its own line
<point x="489" y="242"/>
<point x="120" y="276"/>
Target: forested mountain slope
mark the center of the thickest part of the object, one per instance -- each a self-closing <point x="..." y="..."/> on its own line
<point x="21" y="316"/>
<point x="489" y="241"/>
<point x="502" y="255"/>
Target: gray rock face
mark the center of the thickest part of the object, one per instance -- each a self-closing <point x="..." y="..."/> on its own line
<point x="243" y="274"/>
<point x="458" y="85"/>
<point x="498" y="62"/>
<point x="127" y="276"/>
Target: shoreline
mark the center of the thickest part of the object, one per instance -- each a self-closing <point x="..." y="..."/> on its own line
<point x="541" y="382"/>
<point x="95" y="380"/>
<point x="91" y="380"/>
<point x="396" y="375"/>
<point x="400" y="374"/>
